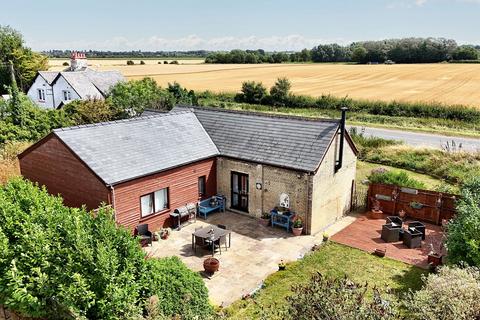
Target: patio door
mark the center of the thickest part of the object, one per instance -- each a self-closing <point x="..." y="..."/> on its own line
<point x="240" y="191"/>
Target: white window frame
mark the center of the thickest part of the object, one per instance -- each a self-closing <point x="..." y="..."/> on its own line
<point x="150" y="202"/>
<point x="67" y="95"/>
<point x="41" y="94"/>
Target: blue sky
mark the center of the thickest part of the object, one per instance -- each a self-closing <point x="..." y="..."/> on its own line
<point x="247" y="24"/>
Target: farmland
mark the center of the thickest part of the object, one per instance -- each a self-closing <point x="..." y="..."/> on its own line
<point x="446" y="83"/>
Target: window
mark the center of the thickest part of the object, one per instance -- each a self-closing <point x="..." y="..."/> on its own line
<point x="154" y="202"/>
<point x="202" y="189"/>
<point x="41" y="95"/>
<point x="67" y="95"/>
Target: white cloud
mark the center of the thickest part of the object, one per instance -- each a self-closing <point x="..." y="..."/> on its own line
<point x="190" y="42"/>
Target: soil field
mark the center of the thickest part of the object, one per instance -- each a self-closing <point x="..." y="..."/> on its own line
<point x="446" y="83"/>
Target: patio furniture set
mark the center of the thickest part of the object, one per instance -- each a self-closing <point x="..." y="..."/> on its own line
<point x="212" y="237"/>
<point x="394" y="230"/>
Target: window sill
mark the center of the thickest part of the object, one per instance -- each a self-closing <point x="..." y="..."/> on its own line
<point x="155" y="214"/>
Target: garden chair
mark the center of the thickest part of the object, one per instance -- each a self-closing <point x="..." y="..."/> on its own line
<point x="390" y="233"/>
<point x="145" y="235"/>
<point x="221" y="226"/>
<point x="419" y="226"/>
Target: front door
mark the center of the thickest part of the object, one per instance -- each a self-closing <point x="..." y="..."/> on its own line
<point x="240" y="191"/>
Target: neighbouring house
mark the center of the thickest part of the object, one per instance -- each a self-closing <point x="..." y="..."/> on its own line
<point x="146" y="167"/>
<point x="52" y="89"/>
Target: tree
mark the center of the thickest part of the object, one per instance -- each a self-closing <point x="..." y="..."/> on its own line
<point x="89" y="111"/>
<point x="465" y="53"/>
<point x="452" y="293"/>
<point x="280" y="91"/>
<point x="60" y="262"/>
<point x="182" y="95"/>
<point x="463" y="236"/>
<point x="359" y="54"/>
<point x="252" y="92"/>
<point x="132" y="97"/>
<point x="26" y="63"/>
<point x="339" y="298"/>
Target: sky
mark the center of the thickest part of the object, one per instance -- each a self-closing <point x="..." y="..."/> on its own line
<point x="225" y="25"/>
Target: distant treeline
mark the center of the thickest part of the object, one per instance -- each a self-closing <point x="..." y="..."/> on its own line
<point x="408" y="50"/>
<point x="130" y="54"/>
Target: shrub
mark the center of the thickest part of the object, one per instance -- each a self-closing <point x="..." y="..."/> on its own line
<point x="453" y="293"/>
<point x="61" y="262"/>
<point x="142" y="62"/>
<point x="252" y="92"/>
<point x="280" y="91"/>
<point x="65" y="64"/>
<point x="165" y="62"/>
<point x="130" y="63"/>
<point x="338" y="298"/>
<point x="399" y="178"/>
<point x="181" y="95"/>
<point x="463" y="232"/>
<point x="174" y="62"/>
<point x="90" y="111"/>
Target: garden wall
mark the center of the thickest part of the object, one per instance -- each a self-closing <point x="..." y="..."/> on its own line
<point x="426" y="205"/>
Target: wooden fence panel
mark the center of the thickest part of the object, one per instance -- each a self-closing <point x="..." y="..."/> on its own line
<point x="418" y="204"/>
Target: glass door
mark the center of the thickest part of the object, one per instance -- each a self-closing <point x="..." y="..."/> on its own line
<point x="240" y="191"/>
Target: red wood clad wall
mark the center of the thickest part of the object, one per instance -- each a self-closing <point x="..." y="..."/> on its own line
<point x="183" y="188"/>
<point x="53" y="165"/>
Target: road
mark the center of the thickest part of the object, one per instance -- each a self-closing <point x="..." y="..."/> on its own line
<point x="419" y="139"/>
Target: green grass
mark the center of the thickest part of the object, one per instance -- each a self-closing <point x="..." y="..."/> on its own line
<point x="364" y="169"/>
<point x="332" y="260"/>
<point x="432" y="125"/>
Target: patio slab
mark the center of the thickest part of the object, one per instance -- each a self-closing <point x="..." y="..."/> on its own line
<point x="254" y="254"/>
<point x="365" y="232"/>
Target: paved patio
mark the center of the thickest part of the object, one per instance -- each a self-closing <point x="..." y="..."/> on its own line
<point x="255" y="253"/>
<point x="365" y="234"/>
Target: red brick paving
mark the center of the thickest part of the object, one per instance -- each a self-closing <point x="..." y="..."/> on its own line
<point x="364" y="234"/>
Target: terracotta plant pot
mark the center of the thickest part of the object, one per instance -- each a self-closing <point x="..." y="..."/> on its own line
<point x="380" y="252"/>
<point x="265" y="222"/>
<point x="297" y="231"/>
<point x="434" y="259"/>
<point x="376" y="214"/>
<point x="211" y="265"/>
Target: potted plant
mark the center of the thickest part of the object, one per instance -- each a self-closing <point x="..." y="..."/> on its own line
<point x="164" y="233"/>
<point x="325" y="237"/>
<point x="211" y="265"/>
<point x="434" y="258"/>
<point x="380" y="252"/>
<point x="376" y="212"/>
<point x="265" y="219"/>
<point x="297" y="226"/>
<point x="402" y="214"/>
<point x="282" y="266"/>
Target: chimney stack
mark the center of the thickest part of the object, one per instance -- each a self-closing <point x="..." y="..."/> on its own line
<point x="78" y="61"/>
<point x="343" y="121"/>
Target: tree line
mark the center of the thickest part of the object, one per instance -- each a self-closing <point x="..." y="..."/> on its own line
<point x="56" y="53"/>
<point x="406" y="50"/>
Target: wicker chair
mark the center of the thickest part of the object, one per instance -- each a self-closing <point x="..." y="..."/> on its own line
<point x="394" y="220"/>
<point x="144" y="234"/>
<point x="412" y="238"/>
<point x="417" y="225"/>
<point x="390" y="233"/>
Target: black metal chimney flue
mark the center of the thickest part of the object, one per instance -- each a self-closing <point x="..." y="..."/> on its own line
<point x="339" y="163"/>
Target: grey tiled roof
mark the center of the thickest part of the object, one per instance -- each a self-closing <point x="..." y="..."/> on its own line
<point x="285" y="141"/>
<point x="122" y="150"/>
<point x="81" y="84"/>
<point x="104" y="80"/>
<point x="49" y="76"/>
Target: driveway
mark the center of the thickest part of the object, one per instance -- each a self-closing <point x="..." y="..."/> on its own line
<point x="419" y="139"/>
<point x="254" y="254"/>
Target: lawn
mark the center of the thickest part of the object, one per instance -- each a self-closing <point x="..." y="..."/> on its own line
<point x="332" y="260"/>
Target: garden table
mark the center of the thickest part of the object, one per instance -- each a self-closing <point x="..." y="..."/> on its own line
<point x="211" y="234"/>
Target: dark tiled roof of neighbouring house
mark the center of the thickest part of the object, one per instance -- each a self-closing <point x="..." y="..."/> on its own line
<point x="122" y="150"/>
<point x="284" y="141"/>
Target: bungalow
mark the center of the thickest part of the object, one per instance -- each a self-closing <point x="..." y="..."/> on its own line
<point x="146" y="167"/>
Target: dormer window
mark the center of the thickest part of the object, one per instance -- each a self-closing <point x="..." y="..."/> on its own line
<point x="67" y="95"/>
<point x="41" y="94"/>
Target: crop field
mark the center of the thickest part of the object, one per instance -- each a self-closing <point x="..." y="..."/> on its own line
<point x="446" y="83"/>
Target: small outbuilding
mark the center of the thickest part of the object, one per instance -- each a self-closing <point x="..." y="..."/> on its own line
<point x="146" y="167"/>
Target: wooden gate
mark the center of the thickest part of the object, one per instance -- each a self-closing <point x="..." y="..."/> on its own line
<point x="426" y="205"/>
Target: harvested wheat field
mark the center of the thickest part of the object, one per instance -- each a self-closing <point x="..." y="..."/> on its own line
<point x="447" y="83"/>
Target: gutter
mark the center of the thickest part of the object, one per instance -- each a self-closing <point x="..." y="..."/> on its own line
<point x="113" y="202"/>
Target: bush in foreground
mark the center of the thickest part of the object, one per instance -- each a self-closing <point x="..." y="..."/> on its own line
<point x="340" y="298"/>
<point x="60" y="262"/>
<point x="453" y="293"/>
<point x="463" y="232"/>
